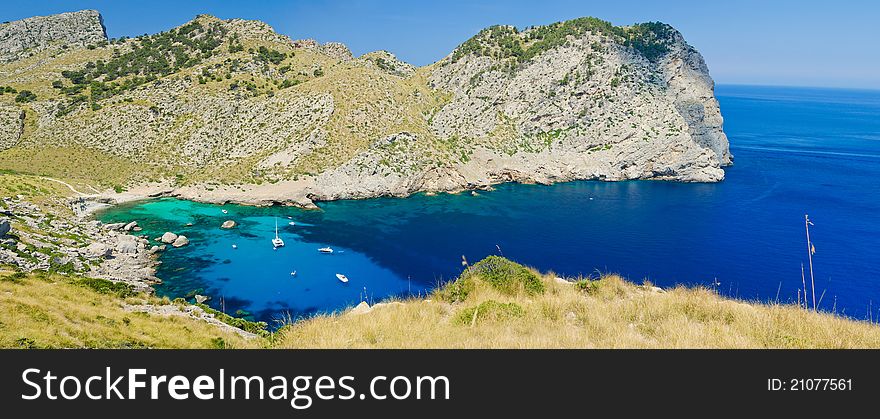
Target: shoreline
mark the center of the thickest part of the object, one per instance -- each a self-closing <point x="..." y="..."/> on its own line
<point x="303" y="194"/>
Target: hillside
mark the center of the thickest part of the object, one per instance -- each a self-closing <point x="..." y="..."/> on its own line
<point x="495" y="304"/>
<point x="222" y="110"/>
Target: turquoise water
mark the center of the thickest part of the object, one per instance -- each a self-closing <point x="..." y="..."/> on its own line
<point x="796" y="151"/>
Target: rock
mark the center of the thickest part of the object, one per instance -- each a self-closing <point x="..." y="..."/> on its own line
<point x="34" y="33"/>
<point x="114" y="226"/>
<point x="21" y="247"/>
<point x="126" y="247"/>
<point x="169" y="237"/>
<point x="563" y="281"/>
<point x="137" y="229"/>
<point x="98" y="249"/>
<point x="5" y="227"/>
<point x="154" y="249"/>
<point x="228" y="224"/>
<point x="162" y="248"/>
<point x="201" y="298"/>
<point x="180" y="241"/>
<point x="130" y="226"/>
<point x="362" y="308"/>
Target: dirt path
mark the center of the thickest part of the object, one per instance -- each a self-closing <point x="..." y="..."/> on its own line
<point x="65" y="184"/>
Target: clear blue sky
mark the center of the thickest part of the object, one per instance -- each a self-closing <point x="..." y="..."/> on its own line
<point x="803" y="43"/>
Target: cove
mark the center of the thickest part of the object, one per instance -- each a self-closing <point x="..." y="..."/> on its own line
<point x="797" y="151"/>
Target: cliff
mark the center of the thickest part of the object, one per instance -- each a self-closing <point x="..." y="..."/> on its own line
<point x="74" y="28"/>
<point x="230" y="110"/>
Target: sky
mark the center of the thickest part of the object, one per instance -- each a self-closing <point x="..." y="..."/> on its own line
<point x="783" y="42"/>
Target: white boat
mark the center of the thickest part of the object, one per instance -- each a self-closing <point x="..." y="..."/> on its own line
<point x="235" y="246"/>
<point x="277" y="242"/>
<point x="225" y="212"/>
<point x="291" y="223"/>
<point x="342" y="277"/>
<point x="293" y="273"/>
<point x="325" y="250"/>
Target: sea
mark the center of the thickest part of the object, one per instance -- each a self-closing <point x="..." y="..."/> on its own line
<point x="797" y="152"/>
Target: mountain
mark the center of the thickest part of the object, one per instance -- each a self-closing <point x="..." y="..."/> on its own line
<point x="222" y="110"/>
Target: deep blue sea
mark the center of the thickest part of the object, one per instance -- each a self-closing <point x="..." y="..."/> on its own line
<point x="797" y="151"/>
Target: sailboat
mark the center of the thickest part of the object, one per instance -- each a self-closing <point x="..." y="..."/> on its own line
<point x="277" y="242"/>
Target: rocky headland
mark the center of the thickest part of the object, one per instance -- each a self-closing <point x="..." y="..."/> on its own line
<point x="231" y="111"/>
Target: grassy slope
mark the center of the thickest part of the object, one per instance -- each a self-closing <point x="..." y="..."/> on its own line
<point x="58" y="311"/>
<point x="54" y="311"/>
<point x="609" y="313"/>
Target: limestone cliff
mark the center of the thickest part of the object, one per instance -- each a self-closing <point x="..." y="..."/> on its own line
<point x="215" y="107"/>
<point x="74" y="28"/>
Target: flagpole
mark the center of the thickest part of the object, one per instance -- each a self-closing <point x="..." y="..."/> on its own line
<point x="810" y="255"/>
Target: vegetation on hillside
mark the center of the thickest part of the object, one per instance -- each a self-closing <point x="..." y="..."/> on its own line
<point x="495" y="303"/>
<point x="606" y="312"/>
<point x="150" y="57"/>
<point x="503" y="42"/>
<point x="43" y="310"/>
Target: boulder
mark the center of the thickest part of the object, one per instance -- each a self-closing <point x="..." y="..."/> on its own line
<point x="114" y="226"/>
<point x="201" y="298"/>
<point x="130" y="226"/>
<point x="5" y="227"/>
<point x="99" y="250"/>
<point x="136" y="228"/>
<point x="169" y="237"/>
<point x="154" y="249"/>
<point x="228" y="224"/>
<point x="362" y="308"/>
<point x="563" y="281"/>
<point x="180" y="241"/>
<point x="127" y="247"/>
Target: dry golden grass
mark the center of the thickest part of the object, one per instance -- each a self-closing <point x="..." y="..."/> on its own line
<point x="51" y="311"/>
<point x="611" y="313"/>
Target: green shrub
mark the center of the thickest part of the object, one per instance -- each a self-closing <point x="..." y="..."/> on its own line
<point x="104" y="286"/>
<point x="506" y="276"/>
<point x="587" y="286"/>
<point x="25" y="96"/>
<point x="258" y="328"/>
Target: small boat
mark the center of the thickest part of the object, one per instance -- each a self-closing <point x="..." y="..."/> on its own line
<point x="342" y="277"/>
<point x="235" y="246"/>
<point x="293" y="273"/>
<point x="225" y="212"/>
<point x="325" y="250"/>
<point x="289" y="217"/>
<point x="291" y="223"/>
<point x="277" y="242"/>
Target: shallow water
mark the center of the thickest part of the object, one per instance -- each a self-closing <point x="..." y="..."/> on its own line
<point x="796" y="151"/>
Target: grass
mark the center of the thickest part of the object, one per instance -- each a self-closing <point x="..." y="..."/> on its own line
<point x="605" y="313"/>
<point x="42" y="310"/>
<point x="55" y="311"/>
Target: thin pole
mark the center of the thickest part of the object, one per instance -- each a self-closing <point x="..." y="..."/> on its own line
<point x="804" y="282"/>
<point x="810" y="254"/>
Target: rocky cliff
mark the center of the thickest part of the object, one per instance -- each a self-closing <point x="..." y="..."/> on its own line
<point x="21" y="37"/>
<point x="216" y="108"/>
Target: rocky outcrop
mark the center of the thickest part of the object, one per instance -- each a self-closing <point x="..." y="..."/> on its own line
<point x="169" y="237"/>
<point x="11" y="125"/>
<point x="228" y="224"/>
<point x="5" y="227"/>
<point x="387" y="62"/>
<point x="54" y="242"/>
<point x="74" y="28"/>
